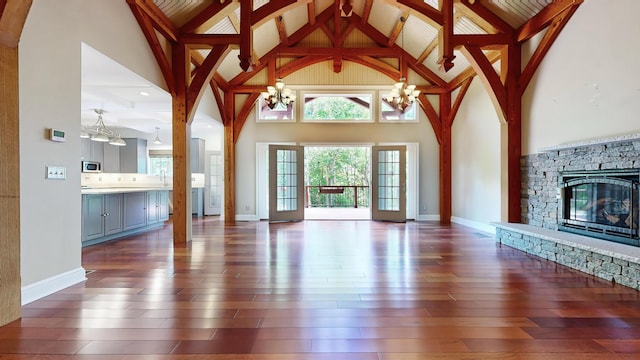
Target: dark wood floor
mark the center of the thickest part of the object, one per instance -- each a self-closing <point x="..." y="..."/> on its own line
<point x="351" y="290"/>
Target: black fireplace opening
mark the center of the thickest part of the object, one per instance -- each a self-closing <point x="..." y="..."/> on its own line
<point x="602" y="204"/>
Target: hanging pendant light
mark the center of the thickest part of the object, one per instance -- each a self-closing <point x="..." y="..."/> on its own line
<point x="278" y="97"/>
<point x="402" y="94"/>
<point x="157" y="140"/>
<point x="101" y="133"/>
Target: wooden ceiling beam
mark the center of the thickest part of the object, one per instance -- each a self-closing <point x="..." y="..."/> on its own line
<point x="282" y="31"/>
<point x="311" y="13"/>
<point x="482" y="40"/>
<point x="208" y="40"/>
<point x="423" y="10"/>
<point x="13" y="15"/>
<point x="208" y="17"/>
<point x="543" y="47"/>
<point x="397" y="28"/>
<point x="483" y="67"/>
<point x="456" y="82"/>
<point x="272" y="9"/>
<point x="246" y="35"/>
<point x="158" y="19"/>
<point x="157" y="49"/>
<point x="542" y="19"/>
<point x="445" y="36"/>
<point x="203" y="75"/>
<point x="366" y="11"/>
<point x="484" y="17"/>
<point x="302" y="51"/>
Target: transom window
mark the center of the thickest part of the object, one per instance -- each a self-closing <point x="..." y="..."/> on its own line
<point x="346" y="107"/>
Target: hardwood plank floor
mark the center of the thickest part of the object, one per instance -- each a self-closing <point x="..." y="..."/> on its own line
<point x="317" y="290"/>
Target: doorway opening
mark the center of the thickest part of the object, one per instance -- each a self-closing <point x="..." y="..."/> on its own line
<point x="337" y="182"/>
<point x="263" y="174"/>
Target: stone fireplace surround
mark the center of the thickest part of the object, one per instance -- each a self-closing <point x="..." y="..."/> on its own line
<point x="538" y="234"/>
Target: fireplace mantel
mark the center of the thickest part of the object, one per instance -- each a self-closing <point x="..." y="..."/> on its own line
<point x="585" y="143"/>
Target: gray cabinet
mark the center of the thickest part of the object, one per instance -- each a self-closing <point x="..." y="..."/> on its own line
<point x="91" y="150"/>
<point x="163" y="199"/>
<point x="197" y="155"/>
<point x="110" y="216"/>
<point x="113" y="211"/>
<point x="157" y="206"/>
<point x="134" y="212"/>
<point x="111" y="162"/>
<point x="101" y="215"/>
<point x="92" y="217"/>
<point x="197" y="202"/>
<point x="133" y="157"/>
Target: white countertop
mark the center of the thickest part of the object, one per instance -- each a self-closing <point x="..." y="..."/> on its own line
<point x="115" y="190"/>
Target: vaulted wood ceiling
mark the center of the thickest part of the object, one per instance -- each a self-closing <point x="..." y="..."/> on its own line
<point x="368" y="32"/>
<point x="238" y="47"/>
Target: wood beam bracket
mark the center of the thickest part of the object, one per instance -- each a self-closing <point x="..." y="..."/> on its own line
<point x="246" y="40"/>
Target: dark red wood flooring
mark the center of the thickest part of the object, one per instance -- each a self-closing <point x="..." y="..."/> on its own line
<point x="355" y="290"/>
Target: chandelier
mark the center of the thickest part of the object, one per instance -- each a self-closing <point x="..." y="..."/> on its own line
<point x="101" y="133"/>
<point x="278" y="97"/>
<point x="402" y="94"/>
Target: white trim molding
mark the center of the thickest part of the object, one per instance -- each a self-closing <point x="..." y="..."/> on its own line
<point x="42" y="288"/>
<point x="428" y="217"/>
<point x="246" y="217"/>
<point x="488" y="228"/>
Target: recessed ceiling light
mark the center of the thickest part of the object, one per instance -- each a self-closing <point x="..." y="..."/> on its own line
<point x="144" y="93"/>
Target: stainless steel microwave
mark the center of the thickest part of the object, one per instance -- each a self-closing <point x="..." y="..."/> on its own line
<point x="91" y="167"/>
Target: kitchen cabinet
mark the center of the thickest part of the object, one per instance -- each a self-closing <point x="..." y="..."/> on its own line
<point x="157" y="206"/>
<point x="134" y="210"/>
<point x="133" y="157"/>
<point x="197" y="155"/>
<point x="91" y="150"/>
<point x="111" y="162"/>
<point x="101" y="215"/>
<point x="197" y="202"/>
<point x="116" y="214"/>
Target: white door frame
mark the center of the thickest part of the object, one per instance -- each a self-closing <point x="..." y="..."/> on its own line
<point x="262" y="173"/>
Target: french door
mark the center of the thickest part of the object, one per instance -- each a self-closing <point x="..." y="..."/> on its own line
<point x="388" y="177"/>
<point x="213" y="182"/>
<point x="286" y="183"/>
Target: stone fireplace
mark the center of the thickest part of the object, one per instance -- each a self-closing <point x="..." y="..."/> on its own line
<point x="582" y="189"/>
<point x="543" y="183"/>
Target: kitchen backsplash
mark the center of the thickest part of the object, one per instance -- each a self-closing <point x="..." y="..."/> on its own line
<point x="128" y="180"/>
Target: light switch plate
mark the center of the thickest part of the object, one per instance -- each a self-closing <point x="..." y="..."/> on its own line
<point x="56" y="173"/>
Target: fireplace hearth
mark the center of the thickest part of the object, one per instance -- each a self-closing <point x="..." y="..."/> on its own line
<point x="602" y="204"/>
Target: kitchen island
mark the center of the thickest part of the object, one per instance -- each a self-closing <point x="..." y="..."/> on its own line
<point x="114" y="212"/>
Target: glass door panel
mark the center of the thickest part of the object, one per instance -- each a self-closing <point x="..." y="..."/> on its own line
<point x="286" y="183"/>
<point x="388" y="180"/>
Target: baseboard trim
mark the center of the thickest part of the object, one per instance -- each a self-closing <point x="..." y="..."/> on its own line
<point x="488" y="228"/>
<point x="42" y="288"/>
<point x="249" y="217"/>
<point x="428" y="218"/>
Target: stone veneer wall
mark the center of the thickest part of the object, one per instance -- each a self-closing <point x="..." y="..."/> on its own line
<point x="613" y="262"/>
<point x="540" y="174"/>
<point x="538" y="233"/>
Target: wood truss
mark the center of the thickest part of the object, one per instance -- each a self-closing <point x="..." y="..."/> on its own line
<point x="190" y="58"/>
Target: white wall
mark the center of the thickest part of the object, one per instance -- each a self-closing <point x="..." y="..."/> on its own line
<point x="50" y="97"/>
<point x="475" y="157"/>
<point x="587" y="85"/>
<point x="368" y="133"/>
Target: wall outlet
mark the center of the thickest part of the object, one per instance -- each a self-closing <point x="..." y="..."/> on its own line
<point x="247" y="207"/>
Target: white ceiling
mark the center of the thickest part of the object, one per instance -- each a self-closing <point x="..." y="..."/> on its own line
<point x="133" y="106"/>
